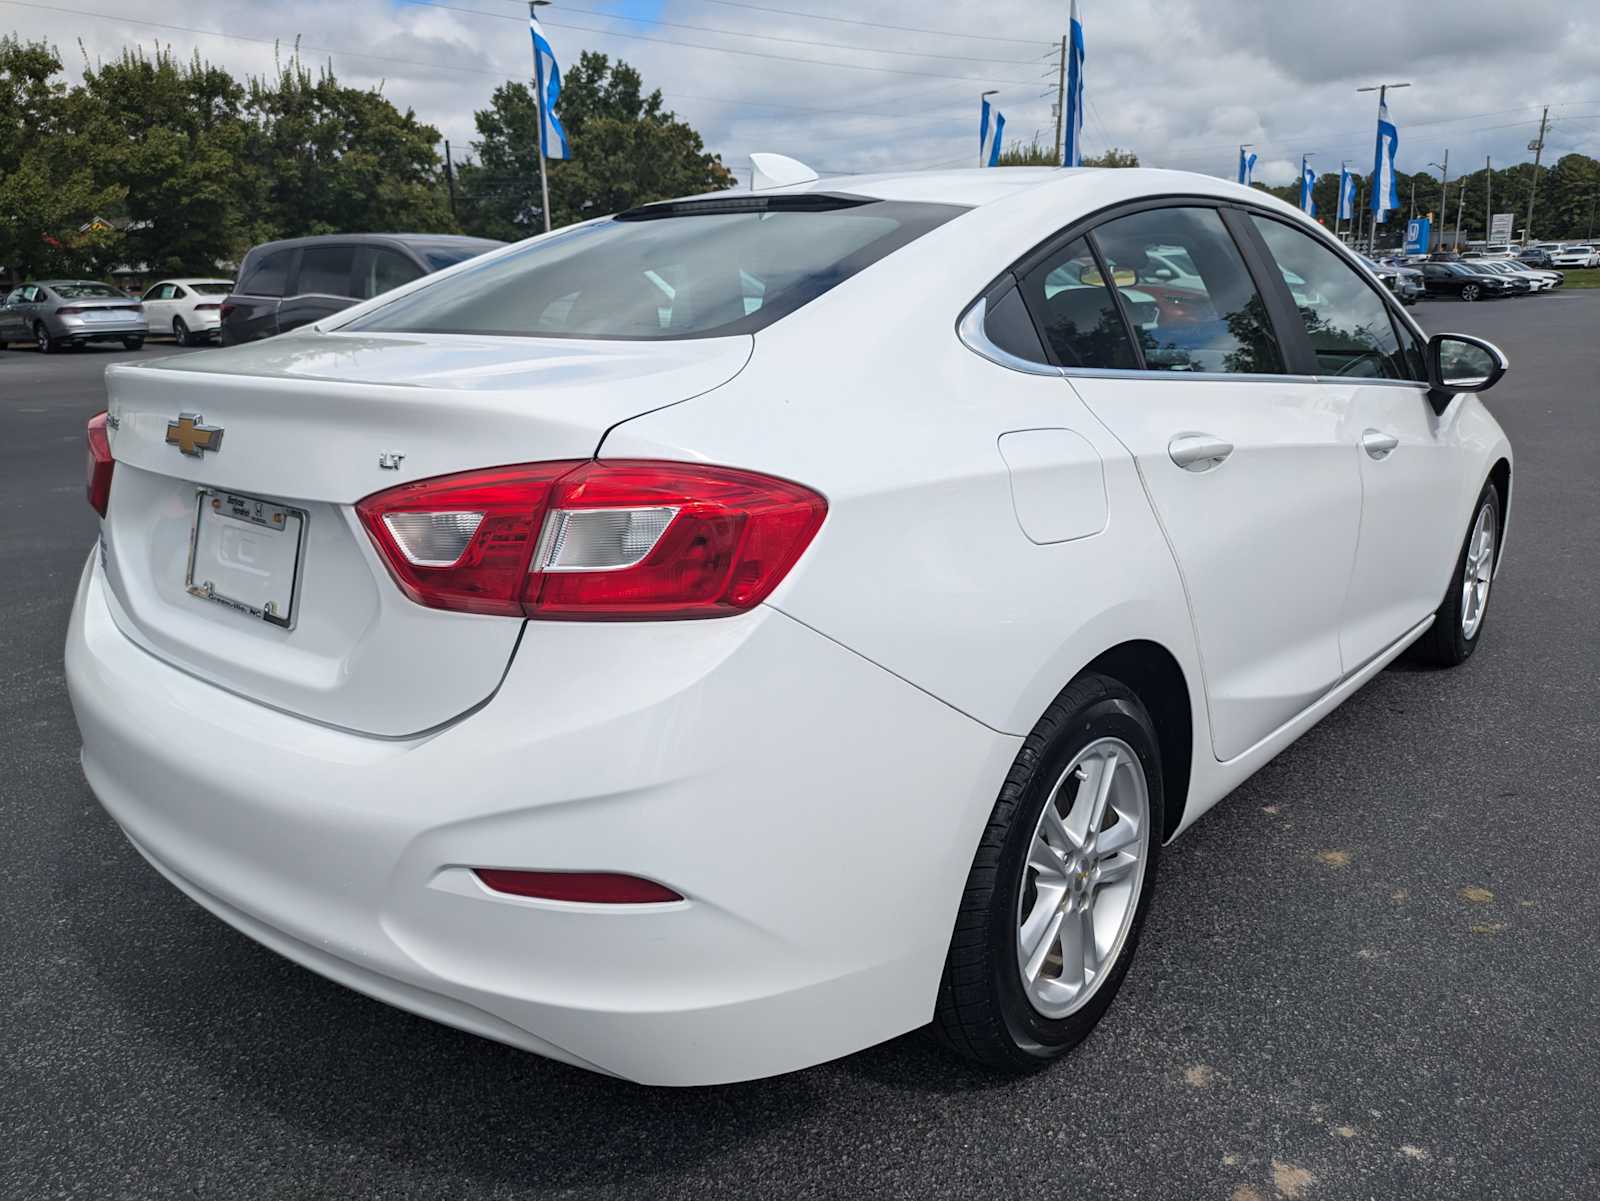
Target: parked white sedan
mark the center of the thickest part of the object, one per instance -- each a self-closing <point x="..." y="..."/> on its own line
<point x="705" y="641"/>
<point x="189" y="309"/>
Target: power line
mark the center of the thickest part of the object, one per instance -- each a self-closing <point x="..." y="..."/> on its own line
<point x="787" y="58"/>
<point x="943" y="33"/>
<point x="732" y="33"/>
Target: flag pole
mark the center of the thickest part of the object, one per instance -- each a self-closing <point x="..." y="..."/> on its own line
<point x="538" y="119"/>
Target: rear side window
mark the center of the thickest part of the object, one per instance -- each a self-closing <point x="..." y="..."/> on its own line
<point x="268" y="275"/>
<point x="216" y="289"/>
<point x="1351" y="331"/>
<point x="381" y="270"/>
<point x="1076" y="312"/>
<point x="1188" y="293"/>
<point x="325" y="270"/>
<point x="687" y="270"/>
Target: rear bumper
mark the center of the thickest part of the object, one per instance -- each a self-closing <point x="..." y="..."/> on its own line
<point x="818" y="813"/>
<point x="100" y="331"/>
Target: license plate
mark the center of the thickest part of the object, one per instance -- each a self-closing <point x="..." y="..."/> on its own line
<point x="245" y="553"/>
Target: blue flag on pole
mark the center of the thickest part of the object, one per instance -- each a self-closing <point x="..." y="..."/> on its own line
<point x="546" y="91"/>
<point x="990" y="133"/>
<point x="1247" y="167"/>
<point x="1308" y="180"/>
<point x="1347" y="194"/>
<point x="1072" y="152"/>
<point x="1385" y="187"/>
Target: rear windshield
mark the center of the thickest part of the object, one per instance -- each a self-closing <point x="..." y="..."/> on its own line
<point x="78" y="291"/>
<point x="211" y="289"/>
<point x="439" y="255"/>
<point x="696" y="269"/>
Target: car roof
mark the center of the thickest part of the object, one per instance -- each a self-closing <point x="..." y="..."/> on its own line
<point x="377" y="240"/>
<point x="186" y="279"/>
<point x="974" y="187"/>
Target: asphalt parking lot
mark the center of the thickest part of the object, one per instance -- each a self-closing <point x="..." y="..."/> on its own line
<point x="1370" y="973"/>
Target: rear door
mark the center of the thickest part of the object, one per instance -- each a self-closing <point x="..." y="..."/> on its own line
<point x="1411" y="458"/>
<point x="323" y="285"/>
<point x="1249" y="468"/>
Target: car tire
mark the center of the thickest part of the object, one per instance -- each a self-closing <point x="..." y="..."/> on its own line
<point x="43" y="340"/>
<point x="1470" y="292"/>
<point x="180" y="332"/>
<point x="1458" y="623"/>
<point x="133" y="343"/>
<point x="989" y="1009"/>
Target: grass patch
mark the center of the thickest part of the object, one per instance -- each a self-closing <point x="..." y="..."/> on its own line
<point x="1587" y="277"/>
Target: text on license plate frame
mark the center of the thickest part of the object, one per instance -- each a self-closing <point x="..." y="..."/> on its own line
<point x="235" y="539"/>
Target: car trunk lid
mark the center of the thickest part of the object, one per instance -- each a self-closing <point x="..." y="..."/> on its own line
<point x="302" y="425"/>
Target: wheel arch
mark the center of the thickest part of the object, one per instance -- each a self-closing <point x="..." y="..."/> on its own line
<point x="1152" y="672"/>
<point x="1500" y="476"/>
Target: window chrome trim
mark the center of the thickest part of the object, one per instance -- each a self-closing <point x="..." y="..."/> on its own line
<point x="976" y="339"/>
<point x="1363" y="382"/>
<point x="1200" y="376"/>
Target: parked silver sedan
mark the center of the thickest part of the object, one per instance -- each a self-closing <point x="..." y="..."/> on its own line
<point x="55" y="314"/>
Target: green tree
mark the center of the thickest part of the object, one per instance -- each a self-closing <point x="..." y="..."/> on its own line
<point x="48" y="187"/>
<point x="173" y="135"/>
<point x="1037" y="154"/>
<point x="627" y="150"/>
<point x="325" y="158"/>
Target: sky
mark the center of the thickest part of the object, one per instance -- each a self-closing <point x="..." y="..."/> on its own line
<point x="894" y="84"/>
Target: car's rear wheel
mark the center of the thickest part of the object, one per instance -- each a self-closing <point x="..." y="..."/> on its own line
<point x="180" y="332"/>
<point x="1059" y="887"/>
<point x="1470" y="292"/>
<point x="1458" y="623"/>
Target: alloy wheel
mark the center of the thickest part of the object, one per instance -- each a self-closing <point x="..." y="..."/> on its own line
<point x="1470" y="292"/>
<point x="1082" y="879"/>
<point x="42" y="337"/>
<point x="180" y="332"/>
<point x="1478" y="572"/>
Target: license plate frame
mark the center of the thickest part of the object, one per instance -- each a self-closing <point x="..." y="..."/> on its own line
<point x="235" y="538"/>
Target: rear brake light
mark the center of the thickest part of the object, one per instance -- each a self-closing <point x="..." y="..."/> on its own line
<point x="604" y="888"/>
<point x="593" y="541"/>
<point x="227" y="309"/>
<point x="97" y="464"/>
<point x="206" y="308"/>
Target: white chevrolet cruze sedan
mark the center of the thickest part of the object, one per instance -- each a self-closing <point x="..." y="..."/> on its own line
<point x="709" y="640"/>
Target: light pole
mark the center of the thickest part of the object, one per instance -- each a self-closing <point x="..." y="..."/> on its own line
<point x="1383" y="92"/>
<point x="981" y="99"/>
<point x="1592" y="198"/>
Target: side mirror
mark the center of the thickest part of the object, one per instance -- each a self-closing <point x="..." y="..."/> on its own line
<point x="1459" y="363"/>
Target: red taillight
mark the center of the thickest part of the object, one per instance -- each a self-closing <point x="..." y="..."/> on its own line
<point x="97" y="464"/>
<point x="594" y="541"/>
<point x="206" y="308"/>
<point x="602" y="888"/>
<point x="69" y="310"/>
<point x="227" y="309"/>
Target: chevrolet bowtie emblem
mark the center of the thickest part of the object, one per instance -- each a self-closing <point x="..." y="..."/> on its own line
<point x="192" y="436"/>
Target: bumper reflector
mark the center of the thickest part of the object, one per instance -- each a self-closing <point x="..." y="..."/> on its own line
<point x="598" y="888"/>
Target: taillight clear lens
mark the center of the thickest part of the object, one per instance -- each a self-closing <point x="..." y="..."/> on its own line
<point x="594" y="541"/>
<point x="463" y="541"/>
<point x="726" y="539"/>
<point x="97" y="464"/>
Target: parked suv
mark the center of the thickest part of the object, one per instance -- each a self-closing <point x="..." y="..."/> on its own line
<point x="284" y="285"/>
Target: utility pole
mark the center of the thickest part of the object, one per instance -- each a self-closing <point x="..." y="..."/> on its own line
<point x="1488" y="198"/>
<point x="450" y="177"/>
<point x="1061" y="95"/>
<point x="1411" y="211"/>
<point x="1595" y="196"/>
<point x="1461" y="207"/>
<point x="1537" y="146"/>
<point x="1444" y="190"/>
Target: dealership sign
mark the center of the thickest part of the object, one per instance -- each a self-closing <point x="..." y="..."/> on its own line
<point x="1500" y="229"/>
<point x="1419" y="232"/>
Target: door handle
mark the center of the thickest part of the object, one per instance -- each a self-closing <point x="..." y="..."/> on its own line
<point x="1378" y="444"/>
<point x="1198" y="452"/>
